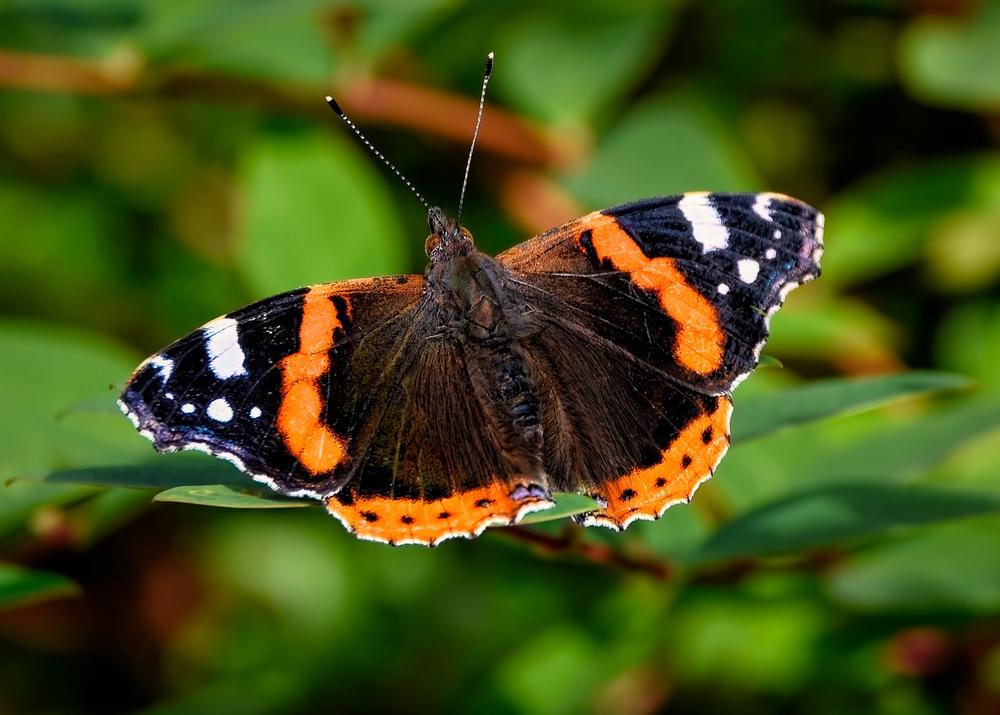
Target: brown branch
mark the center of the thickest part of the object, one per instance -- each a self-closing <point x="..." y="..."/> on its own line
<point x="421" y="109"/>
<point x="534" y="201"/>
<point x="53" y="73"/>
<point x="598" y="554"/>
<point x="450" y="116"/>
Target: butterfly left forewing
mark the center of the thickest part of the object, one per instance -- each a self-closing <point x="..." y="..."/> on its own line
<point x="276" y="387"/>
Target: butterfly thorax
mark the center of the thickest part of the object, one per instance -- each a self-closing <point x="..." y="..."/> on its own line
<point x="468" y="290"/>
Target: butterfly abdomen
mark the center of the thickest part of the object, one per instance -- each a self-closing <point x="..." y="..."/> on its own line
<point x="515" y="393"/>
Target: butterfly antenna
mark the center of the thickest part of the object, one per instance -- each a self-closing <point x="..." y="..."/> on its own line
<point x="354" y="128"/>
<point x="479" y="120"/>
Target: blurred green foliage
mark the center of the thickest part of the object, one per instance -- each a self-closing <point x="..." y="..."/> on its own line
<point x="162" y="163"/>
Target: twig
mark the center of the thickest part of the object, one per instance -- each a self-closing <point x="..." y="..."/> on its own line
<point x="374" y="99"/>
<point x="594" y="553"/>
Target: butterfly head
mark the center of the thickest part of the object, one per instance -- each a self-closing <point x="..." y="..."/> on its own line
<point x="447" y="238"/>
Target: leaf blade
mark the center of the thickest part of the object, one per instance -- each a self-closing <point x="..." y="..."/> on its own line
<point x="222" y="495"/>
<point x="836" y="515"/>
<point x="760" y="415"/>
<point x="20" y="586"/>
<point x="567" y="504"/>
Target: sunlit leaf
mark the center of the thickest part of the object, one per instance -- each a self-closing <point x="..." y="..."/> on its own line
<point x="847" y="332"/>
<point x="549" y="67"/>
<point x="566" y="506"/>
<point x="222" y="495"/>
<point x="954" y="62"/>
<point x="760" y="415"/>
<point x="316" y="212"/>
<point x="969" y="341"/>
<point x="839" y="515"/>
<point x="665" y="146"/>
<point x="20" y="586"/>
<point x="278" y="41"/>
<point x="883" y="223"/>
<point x="44" y="372"/>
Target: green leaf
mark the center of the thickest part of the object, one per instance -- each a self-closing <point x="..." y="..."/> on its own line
<point x="277" y="41"/>
<point x="162" y="472"/>
<point x="552" y="673"/>
<point x="954" y="566"/>
<point x="635" y="160"/>
<point x="44" y="372"/>
<point x="969" y="341"/>
<point x="20" y="586"/>
<point x="567" y="504"/>
<point x="837" y="515"/>
<point x="901" y="451"/>
<point x="767" y="361"/>
<point x="222" y="495"/>
<point x="882" y="224"/>
<point x="761" y="415"/>
<point x="550" y="68"/>
<point x="876" y="447"/>
<point x="316" y="212"/>
<point x="954" y="62"/>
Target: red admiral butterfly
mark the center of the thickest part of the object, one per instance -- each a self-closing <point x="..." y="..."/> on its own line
<point x="596" y="358"/>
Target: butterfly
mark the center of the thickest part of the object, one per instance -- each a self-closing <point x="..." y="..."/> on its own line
<point x="597" y="358"/>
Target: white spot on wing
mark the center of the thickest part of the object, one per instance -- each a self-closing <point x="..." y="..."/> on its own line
<point x="723" y="288"/>
<point x="748" y="268"/>
<point x="223" y="345"/>
<point x="761" y="207"/>
<point x="164" y="365"/>
<point x="219" y="410"/>
<point x="255" y="412"/>
<point x="706" y="224"/>
<point x="187" y="408"/>
<point x="770" y="254"/>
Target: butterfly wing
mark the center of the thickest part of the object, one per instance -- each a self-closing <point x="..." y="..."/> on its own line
<point x="335" y="392"/>
<point x="264" y="386"/>
<point x="686" y="283"/>
<point x="653" y="313"/>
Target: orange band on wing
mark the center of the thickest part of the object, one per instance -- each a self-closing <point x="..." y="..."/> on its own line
<point x="685" y="464"/>
<point x="300" y="422"/>
<point x="700" y="341"/>
<point x="413" y="521"/>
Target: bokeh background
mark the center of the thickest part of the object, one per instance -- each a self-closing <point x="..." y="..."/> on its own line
<point x="163" y="162"/>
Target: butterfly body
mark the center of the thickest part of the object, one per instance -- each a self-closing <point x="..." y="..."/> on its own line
<point x="596" y="358"/>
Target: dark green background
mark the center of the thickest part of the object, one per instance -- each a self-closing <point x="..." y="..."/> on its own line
<point x="163" y="162"/>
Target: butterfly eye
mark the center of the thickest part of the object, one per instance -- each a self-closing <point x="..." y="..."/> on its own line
<point x="431" y="243"/>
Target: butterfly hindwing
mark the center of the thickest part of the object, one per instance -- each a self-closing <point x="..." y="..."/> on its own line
<point x="617" y="429"/>
<point x="428" y="464"/>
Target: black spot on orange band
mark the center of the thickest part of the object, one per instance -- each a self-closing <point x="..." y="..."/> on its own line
<point x="646" y="491"/>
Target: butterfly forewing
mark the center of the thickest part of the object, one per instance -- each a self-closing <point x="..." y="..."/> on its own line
<point x="686" y="283"/>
